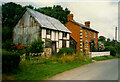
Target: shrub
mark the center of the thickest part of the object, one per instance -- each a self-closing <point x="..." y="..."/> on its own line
<point x="111" y="49"/>
<point x="10" y="61"/>
<point x="7" y="45"/>
<point x="37" y="46"/>
<point x="68" y="51"/>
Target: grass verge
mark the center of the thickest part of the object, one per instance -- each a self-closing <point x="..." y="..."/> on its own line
<point x="101" y="58"/>
<point x="44" y="71"/>
<point x="46" y="67"/>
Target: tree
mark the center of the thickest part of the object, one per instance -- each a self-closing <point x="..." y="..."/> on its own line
<point x="56" y="11"/>
<point x="101" y="38"/>
<point x="28" y="6"/>
<point x="10" y="12"/>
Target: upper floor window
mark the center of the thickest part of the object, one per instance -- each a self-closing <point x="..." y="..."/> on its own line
<point x="48" y="32"/>
<point x="90" y="34"/>
<point x="64" y="34"/>
<point x="94" y="35"/>
<point x="86" y="33"/>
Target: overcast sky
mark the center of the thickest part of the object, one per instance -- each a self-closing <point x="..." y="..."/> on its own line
<point x="103" y="15"/>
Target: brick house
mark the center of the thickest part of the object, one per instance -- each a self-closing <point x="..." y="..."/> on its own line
<point x="84" y="35"/>
<point x="32" y="25"/>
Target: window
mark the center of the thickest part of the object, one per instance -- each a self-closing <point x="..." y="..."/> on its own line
<point x="64" y="34"/>
<point x="64" y="44"/>
<point x="80" y="28"/>
<point x="86" y="33"/>
<point x="90" y="34"/>
<point x="94" y="35"/>
<point x="48" y="32"/>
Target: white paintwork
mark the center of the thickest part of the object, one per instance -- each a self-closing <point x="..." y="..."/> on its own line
<point x="53" y="35"/>
<point x="67" y="43"/>
<point x="60" y="43"/>
<point x="58" y="50"/>
<point x="68" y="36"/>
<point x="43" y="33"/>
<point x="60" y="35"/>
<point x="94" y="54"/>
<point x="57" y="45"/>
<point x="48" y="36"/>
<point x="64" y="38"/>
<point x="56" y="36"/>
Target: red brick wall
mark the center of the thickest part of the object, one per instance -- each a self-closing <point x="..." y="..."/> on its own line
<point x="75" y="29"/>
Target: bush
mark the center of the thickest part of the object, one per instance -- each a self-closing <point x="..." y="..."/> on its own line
<point x="37" y="46"/>
<point x="10" y="61"/>
<point x="111" y="49"/>
<point x="68" y="51"/>
<point x="7" y="45"/>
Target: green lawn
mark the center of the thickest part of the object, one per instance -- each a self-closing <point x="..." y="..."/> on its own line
<point x="44" y="71"/>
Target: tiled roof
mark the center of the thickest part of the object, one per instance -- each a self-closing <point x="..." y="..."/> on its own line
<point x="47" y="21"/>
<point x="83" y="26"/>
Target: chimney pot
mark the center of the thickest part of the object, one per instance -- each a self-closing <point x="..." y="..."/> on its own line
<point x="87" y="23"/>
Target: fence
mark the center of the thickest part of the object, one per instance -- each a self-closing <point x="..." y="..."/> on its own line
<point x="94" y="54"/>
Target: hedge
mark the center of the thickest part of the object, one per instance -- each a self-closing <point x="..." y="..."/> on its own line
<point x="10" y="61"/>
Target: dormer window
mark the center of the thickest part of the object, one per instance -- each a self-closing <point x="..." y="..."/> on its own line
<point x="48" y="32"/>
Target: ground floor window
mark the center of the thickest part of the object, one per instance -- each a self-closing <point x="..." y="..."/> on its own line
<point x="63" y="43"/>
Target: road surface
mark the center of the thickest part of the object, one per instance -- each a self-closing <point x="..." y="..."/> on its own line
<point x="102" y="70"/>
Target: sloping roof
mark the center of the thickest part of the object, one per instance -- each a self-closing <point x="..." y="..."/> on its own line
<point x="47" y="21"/>
<point x="83" y="26"/>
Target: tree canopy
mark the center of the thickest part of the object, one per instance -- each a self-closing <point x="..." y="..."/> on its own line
<point x="11" y="11"/>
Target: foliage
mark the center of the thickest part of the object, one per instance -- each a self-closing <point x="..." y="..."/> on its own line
<point x="111" y="49"/>
<point x="10" y="61"/>
<point x="101" y="38"/>
<point x="10" y="12"/>
<point x="7" y="45"/>
<point x="56" y="11"/>
<point x="112" y="43"/>
<point x="67" y="51"/>
<point x="6" y="34"/>
<point x="37" y="46"/>
<point x="28" y="6"/>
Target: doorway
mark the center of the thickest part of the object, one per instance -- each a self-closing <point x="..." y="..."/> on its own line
<point x="53" y="48"/>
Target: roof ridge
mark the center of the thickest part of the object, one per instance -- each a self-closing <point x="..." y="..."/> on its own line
<point x="82" y="25"/>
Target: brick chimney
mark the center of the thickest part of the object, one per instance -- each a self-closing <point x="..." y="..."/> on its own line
<point x="87" y="23"/>
<point x="70" y="17"/>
